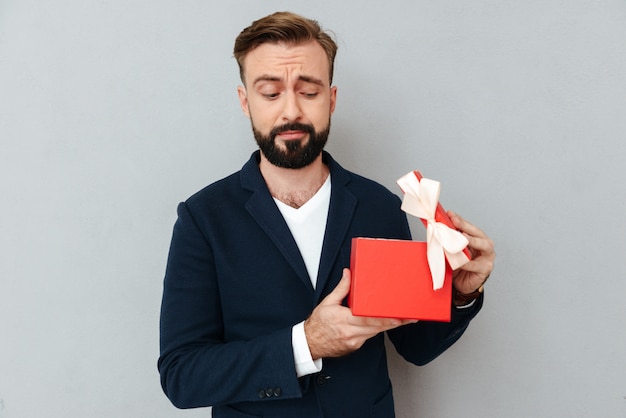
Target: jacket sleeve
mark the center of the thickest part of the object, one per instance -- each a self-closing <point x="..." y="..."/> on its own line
<point x="198" y="367"/>
<point x="422" y="342"/>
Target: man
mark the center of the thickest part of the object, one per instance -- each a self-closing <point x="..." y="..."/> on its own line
<point x="253" y="318"/>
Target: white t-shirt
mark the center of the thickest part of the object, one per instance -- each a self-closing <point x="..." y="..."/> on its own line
<point x="307" y="225"/>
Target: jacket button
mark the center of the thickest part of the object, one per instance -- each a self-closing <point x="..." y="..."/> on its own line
<point x="269" y="392"/>
<point x="322" y="379"/>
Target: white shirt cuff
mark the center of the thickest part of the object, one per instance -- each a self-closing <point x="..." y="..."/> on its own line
<point x="468" y="305"/>
<point x="301" y="353"/>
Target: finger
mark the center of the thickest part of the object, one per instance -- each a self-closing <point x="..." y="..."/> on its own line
<point x="340" y="291"/>
<point x="376" y="324"/>
<point x="482" y="266"/>
<point x="464" y="226"/>
<point x="484" y="245"/>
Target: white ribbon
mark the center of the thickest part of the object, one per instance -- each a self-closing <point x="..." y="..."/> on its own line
<point x="420" y="199"/>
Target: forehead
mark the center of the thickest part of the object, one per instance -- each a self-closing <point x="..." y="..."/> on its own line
<point x="282" y="60"/>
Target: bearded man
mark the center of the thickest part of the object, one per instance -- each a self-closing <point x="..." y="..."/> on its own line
<point x="253" y="319"/>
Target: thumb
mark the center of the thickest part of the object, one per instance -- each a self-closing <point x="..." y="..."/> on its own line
<point x="340" y="291"/>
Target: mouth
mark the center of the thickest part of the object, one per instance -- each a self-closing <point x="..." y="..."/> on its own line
<point x="291" y="135"/>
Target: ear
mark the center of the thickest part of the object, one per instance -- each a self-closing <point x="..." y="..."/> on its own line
<point x="243" y="100"/>
<point x="333" y="98"/>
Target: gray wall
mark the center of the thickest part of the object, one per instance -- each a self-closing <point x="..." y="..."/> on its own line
<point x="113" y="112"/>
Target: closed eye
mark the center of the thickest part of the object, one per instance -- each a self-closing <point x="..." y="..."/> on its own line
<point x="271" y="96"/>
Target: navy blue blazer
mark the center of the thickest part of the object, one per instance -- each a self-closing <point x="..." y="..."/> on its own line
<point x="235" y="284"/>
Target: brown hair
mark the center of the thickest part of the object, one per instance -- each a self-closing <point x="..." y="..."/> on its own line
<point x="286" y="27"/>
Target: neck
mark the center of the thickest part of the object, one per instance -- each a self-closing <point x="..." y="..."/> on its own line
<point x="294" y="187"/>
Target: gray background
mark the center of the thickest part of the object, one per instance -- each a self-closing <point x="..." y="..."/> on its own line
<point x="113" y="112"/>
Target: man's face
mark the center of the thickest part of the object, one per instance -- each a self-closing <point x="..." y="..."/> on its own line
<point x="288" y="98"/>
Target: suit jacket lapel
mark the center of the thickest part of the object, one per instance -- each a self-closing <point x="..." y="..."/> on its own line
<point x="263" y="209"/>
<point x="342" y="206"/>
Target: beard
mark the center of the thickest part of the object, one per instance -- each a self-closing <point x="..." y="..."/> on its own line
<point x="297" y="153"/>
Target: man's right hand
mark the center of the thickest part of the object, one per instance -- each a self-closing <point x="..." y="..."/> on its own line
<point x="332" y="330"/>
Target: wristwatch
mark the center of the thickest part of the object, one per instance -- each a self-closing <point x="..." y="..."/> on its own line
<point x="460" y="299"/>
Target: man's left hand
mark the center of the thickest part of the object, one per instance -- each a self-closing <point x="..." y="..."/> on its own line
<point x="474" y="273"/>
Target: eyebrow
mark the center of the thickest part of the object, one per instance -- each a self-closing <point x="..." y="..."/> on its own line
<point x="266" y="78"/>
<point x="305" y="78"/>
<point x="313" y="80"/>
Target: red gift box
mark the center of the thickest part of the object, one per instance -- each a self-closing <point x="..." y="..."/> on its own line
<point x="442" y="216"/>
<point x="392" y="278"/>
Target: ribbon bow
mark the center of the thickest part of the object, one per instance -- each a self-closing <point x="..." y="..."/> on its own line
<point x="421" y="198"/>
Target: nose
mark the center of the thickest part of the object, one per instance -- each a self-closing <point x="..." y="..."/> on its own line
<point x="292" y="112"/>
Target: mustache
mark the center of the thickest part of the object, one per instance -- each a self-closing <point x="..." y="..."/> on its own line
<point x="292" y="126"/>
